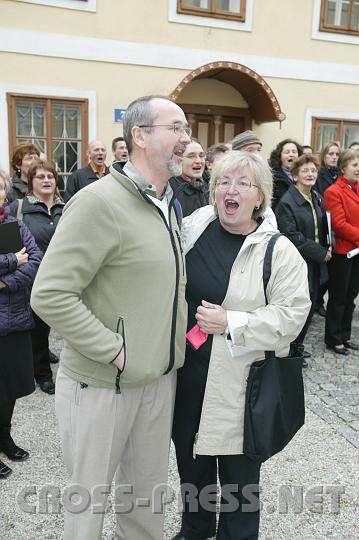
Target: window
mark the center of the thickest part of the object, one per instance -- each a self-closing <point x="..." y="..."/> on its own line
<point x="220" y="9"/>
<point x="340" y="16"/>
<point x="81" y="5"/>
<point x="325" y="130"/>
<point x="58" y="126"/>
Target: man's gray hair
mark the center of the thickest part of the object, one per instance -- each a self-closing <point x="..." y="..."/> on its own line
<point x="139" y="113"/>
<point x="235" y="160"/>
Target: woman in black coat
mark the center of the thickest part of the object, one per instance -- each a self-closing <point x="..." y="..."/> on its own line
<point x="300" y="217"/>
<point x="190" y="189"/>
<point x="41" y="210"/>
<point x="24" y="154"/>
<point x="281" y="160"/>
<point x="17" y="273"/>
<point x="328" y="172"/>
<point x="327" y="176"/>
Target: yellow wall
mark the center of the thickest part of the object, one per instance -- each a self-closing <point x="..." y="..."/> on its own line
<point x="117" y="84"/>
<point x="281" y="28"/>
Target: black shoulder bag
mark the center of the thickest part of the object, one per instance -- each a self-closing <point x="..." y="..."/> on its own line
<point x="274" y="407"/>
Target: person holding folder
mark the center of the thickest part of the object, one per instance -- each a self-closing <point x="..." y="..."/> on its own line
<point x="299" y="216"/>
<point x="18" y="267"/>
<point x="342" y="200"/>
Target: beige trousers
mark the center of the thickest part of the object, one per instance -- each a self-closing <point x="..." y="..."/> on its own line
<point x="104" y="433"/>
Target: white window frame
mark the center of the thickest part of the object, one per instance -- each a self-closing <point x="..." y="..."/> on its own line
<point x="211" y="22"/>
<point x="328" y="36"/>
<point x="325" y="114"/>
<point x="80" y="5"/>
<point x="40" y="91"/>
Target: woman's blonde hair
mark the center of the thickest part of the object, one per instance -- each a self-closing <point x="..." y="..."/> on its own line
<point x="346" y="157"/>
<point x="324" y="151"/>
<point x="7" y="182"/>
<point x="235" y="160"/>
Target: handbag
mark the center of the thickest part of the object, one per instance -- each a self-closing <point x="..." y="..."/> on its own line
<point x="274" y="402"/>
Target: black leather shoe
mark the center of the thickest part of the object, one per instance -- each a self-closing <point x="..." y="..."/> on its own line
<point x="306" y="354"/>
<point x="10" y="449"/>
<point x="4" y="470"/>
<point x="47" y="386"/>
<point x="339" y="350"/>
<point x="304" y="363"/>
<point x="351" y="345"/>
<point x="53" y="358"/>
<point x="322" y="311"/>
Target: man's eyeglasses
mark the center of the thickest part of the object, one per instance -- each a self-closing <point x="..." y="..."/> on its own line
<point x="178" y="129"/>
<point x="241" y="185"/>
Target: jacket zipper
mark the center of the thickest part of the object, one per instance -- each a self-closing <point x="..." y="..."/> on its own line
<point x="175" y="299"/>
<point x="180" y="245"/>
<point x="120" y="371"/>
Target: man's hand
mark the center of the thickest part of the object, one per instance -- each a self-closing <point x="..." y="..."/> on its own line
<point x="211" y="318"/>
<point x="119" y="361"/>
<point x="22" y="256"/>
<point x="2" y="285"/>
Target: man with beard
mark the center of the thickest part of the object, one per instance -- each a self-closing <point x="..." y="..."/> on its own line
<point x="112" y="284"/>
<point x="96" y="169"/>
<point x="190" y="189"/>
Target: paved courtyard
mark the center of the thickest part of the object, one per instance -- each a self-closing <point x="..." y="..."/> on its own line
<point x="322" y="458"/>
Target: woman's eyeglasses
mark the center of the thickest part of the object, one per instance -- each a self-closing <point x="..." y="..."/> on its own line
<point x="241" y="185"/>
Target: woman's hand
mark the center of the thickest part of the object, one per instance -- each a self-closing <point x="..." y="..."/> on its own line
<point x="329" y="254"/>
<point x="211" y="318"/>
<point x="22" y="257"/>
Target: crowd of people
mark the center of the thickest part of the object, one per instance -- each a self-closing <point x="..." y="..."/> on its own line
<point x="167" y="243"/>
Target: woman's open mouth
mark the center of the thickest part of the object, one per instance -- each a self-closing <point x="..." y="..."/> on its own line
<point x="231" y="206"/>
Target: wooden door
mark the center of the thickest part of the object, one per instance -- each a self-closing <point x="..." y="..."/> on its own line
<point x="212" y="125"/>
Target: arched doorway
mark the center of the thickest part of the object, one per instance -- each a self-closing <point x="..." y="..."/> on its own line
<point x="222" y="99"/>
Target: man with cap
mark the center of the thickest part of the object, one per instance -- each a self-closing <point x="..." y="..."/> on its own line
<point x="247" y="141"/>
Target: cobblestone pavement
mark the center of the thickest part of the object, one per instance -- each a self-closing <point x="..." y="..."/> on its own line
<point x="332" y="382"/>
<point x="323" y="454"/>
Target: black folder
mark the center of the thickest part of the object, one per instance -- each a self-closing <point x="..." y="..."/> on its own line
<point x="10" y="238"/>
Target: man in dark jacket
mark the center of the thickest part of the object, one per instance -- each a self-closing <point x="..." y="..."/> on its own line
<point x="95" y="169"/>
<point x="189" y="188"/>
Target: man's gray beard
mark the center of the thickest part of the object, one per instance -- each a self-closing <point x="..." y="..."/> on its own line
<point x="175" y="169"/>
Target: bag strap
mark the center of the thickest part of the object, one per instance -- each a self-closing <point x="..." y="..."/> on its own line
<point x="267" y="262"/>
<point x="19" y="209"/>
<point x="267" y="270"/>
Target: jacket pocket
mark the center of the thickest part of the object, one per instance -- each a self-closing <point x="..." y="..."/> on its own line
<point x="120" y="329"/>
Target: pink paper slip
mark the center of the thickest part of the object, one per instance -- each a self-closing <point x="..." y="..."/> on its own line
<point x="196" y="337"/>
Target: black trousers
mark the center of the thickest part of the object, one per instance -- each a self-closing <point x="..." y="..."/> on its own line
<point x="238" y="475"/>
<point x="314" y="291"/>
<point x="6" y="412"/>
<point x="40" y="350"/>
<point x="343" y="287"/>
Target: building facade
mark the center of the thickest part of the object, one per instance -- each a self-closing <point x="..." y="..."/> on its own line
<point x="68" y="68"/>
